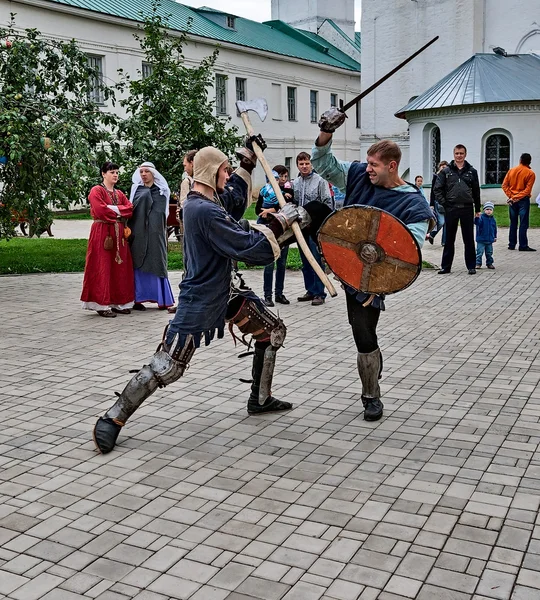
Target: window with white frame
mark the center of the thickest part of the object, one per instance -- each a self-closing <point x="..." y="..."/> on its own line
<point x="221" y="94"/>
<point x="95" y="92"/>
<point x="497" y="153"/>
<point x="240" y="91"/>
<point x="147" y="70"/>
<point x="291" y="103"/>
<point x="313" y="106"/>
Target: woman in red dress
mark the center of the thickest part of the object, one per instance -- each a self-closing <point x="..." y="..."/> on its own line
<point x="108" y="286"/>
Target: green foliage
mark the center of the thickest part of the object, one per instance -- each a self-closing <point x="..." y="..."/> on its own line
<point x="50" y="131"/>
<point x="169" y="111"/>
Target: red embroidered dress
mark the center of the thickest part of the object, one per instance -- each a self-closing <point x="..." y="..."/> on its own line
<point x="108" y="274"/>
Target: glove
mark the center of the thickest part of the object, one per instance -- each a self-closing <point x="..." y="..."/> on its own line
<point x="286" y="216"/>
<point x="258" y="139"/>
<point x="245" y="225"/>
<point x="331" y="120"/>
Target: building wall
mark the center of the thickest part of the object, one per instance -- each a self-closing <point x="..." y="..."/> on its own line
<point x="471" y="126"/>
<point x="464" y="27"/>
<point x="309" y="14"/>
<point x="113" y="39"/>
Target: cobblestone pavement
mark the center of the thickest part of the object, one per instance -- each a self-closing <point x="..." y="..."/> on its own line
<point x="437" y="501"/>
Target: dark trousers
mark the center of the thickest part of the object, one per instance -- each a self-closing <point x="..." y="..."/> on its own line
<point x="519" y="210"/>
<point x="454" y="217"/>
<point x="281" y="265"/>
<point x="363" y="321"/>
<point x="314" y="285"/>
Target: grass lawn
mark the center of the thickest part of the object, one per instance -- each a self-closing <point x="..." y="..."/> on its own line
<point x="503" y="219"/>
<point x="19" y="256"/>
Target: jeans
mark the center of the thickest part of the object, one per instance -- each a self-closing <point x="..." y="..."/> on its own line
<point x="463" y="216"/>
<point x="482" y="247"/>
<point x="440" y="224"/>
<point x="314" y="285"/>
<point x="281" y="265"/>
<point x="519" y="210"/>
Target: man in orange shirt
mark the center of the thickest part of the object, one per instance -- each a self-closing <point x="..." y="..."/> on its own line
<point x="517" y="186"/>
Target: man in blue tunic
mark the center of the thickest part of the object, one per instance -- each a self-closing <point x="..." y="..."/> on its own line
<point x="373" y="183"/>
<point x="207" y="300"/>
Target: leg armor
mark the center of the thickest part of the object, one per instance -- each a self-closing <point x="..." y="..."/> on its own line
<point x="370" y="369"/>
<point x="251" y="316"/>
<point x="165" y="367"/>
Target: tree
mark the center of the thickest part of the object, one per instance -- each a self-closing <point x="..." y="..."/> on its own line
<point x="168" y="110"/>
<point x="51" y="132"/>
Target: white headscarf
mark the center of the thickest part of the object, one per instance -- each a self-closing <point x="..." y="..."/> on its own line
<point x="159" y="180"/>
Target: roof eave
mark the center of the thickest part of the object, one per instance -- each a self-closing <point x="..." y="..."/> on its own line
<point x="108" y="18"/>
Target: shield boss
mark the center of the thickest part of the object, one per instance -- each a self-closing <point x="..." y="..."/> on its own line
<point x="370" y="250"/>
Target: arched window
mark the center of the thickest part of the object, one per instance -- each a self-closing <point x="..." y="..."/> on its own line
<point x="497" y="158"/>
<point x="435" y="156"/>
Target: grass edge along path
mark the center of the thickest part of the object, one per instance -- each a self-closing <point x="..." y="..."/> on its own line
<point x="21" y="256"/>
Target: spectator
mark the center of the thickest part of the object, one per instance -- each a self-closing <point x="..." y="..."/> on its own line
<point x="486" y="235"/>
<point x="309" y="187"/>
<point x="150" y="197"/>
<point x="457" y="190"/>
<point x="268" y="203"/>
<point x="419" y="183"/>
<point x="517" y="186"/>
<point x="108" y="275"/>
<point x="437" y="209"/>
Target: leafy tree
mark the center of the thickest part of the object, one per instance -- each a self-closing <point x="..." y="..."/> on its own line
<point x="51" y="132"/>
<point x="169" y="111"/>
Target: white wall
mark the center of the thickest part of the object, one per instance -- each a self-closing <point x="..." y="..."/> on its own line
<point x="471" y="128"/>
<point x="113" y="39"/>
<point x="465" y="27"/>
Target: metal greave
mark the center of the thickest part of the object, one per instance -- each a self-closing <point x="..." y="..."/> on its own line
<point x="369" y="368"/>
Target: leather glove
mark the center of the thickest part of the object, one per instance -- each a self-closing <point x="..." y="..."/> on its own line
<point x="331" y="120"/>
<point x="287" y="216"/>
<point x="258" y="139"/>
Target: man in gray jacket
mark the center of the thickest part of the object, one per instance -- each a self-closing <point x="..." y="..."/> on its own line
<point x="309" y="187"/>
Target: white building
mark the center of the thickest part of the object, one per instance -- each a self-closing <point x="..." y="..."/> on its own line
<point x="300" y="73"/>
<point x="465" y="28"/>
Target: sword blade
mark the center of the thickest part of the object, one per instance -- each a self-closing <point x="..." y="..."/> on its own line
<point x="354" y="101"/>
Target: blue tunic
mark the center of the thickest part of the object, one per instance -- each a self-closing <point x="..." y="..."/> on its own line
<point x="212" y="240"/>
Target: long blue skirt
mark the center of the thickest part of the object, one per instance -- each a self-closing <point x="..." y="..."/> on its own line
<point x="151" y="288"/>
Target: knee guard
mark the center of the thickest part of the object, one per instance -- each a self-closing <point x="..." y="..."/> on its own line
<point x="165" y="367"/>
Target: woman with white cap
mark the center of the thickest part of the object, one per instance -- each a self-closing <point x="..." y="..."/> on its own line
<point x="150" y="198"/>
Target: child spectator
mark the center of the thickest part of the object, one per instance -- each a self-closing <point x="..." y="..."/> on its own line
<point x="268" y="203"/>
<point x="486" y="235"/>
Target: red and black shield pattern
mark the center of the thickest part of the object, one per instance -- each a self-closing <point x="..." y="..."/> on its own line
<point x="370" y="250"/>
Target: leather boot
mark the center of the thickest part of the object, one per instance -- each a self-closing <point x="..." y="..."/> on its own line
<point x="271" y="404"/>
<point x="370" y="368"/>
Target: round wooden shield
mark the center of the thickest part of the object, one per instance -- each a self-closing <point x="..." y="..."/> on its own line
<point x="370" y="250"/>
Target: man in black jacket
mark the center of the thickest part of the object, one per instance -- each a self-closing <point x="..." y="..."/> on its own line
<point x="457" y="190"/>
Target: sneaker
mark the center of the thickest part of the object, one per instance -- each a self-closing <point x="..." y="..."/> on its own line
<point x="317" y="301"/>
<point x="307" y="297"/>
<point x="478" y="266"/>
<point x="268" y="301"/>
<point x="282" y="300"/>
<point x="490" y="267"/>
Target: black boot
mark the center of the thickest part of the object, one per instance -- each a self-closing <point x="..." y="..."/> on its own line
<point x="105" y="434"/>
<point x="271" y="404"/>
<point x="370" y="369"/>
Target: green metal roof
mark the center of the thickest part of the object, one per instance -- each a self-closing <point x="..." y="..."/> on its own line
<point x="273" y="36"/>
